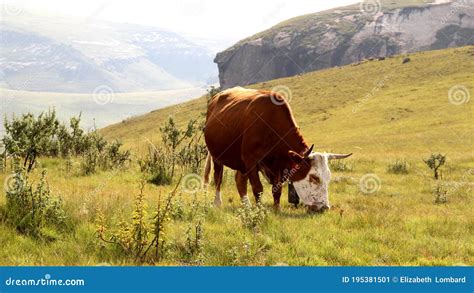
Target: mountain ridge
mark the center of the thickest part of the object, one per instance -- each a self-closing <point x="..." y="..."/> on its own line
<point x="342" y="36"/>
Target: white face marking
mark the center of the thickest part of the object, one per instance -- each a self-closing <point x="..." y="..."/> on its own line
<point x="310" y="192"/>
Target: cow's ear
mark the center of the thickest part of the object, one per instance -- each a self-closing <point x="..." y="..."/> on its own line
<point x="295" y="157"/>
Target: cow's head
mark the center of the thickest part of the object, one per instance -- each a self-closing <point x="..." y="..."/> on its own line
<point x="311" y="176"/>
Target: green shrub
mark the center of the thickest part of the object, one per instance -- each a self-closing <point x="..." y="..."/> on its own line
<point x="114" y="157"/>
<point x="90" y="162"/>
<point x="398" y="167"/>
<point x="192" y="155"/>
<point x="143" y="238"/>
<point x="434" y="162"/>
<point x="192" y="250"/>
<point x="34" y="211"/>
<point x="173" y="137"/>
<point x="29" y="137"/>
<point x="106" y="158"/>
<point x="252" y="217"/>
<point x="181" y="148"/>
<point x="440" y="193"/>
<point x="3" y="157"/>
<point x="156" y="165"/>
<point x="212" y="91"/>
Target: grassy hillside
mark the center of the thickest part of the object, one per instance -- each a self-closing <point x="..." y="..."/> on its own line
<point x="372" y="108"/>
<point x="389" y="219"/>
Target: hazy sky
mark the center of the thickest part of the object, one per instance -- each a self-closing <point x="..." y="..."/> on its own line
<point x="230" y="20"/>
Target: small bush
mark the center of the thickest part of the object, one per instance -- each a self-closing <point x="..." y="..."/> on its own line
<point x="440" y="193"/>
<point x="116" y="159"/>
<point x="34" y="211"/>
<point x="156" y="165"/>
<point x="68" y="165"/>
<point x="142" y="239"/>
<point x="191" y="156"/>
<point x="252" y="217"/>
<point x="107" y="158"/>
<point x="398" y="167"/>
<point x="178" y="211"/>
<point x="434" y="162"/>
<point x="3" y="157"/>
<point x="212" y="91"/>
<point x="30" y="137"/>
<point x="192" y="250"/>
<point x="90" y="162"/>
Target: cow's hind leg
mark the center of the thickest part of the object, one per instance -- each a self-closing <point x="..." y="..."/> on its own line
<point x="218" y="172"/>
<point x="241" y="182"/>
<point x="257" y="187"/>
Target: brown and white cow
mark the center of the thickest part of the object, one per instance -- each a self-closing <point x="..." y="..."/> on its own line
<point x="254" y="130"/>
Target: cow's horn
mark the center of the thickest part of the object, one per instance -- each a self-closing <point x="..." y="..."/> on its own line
<point x="338" y="156"/>
<point x="308" y="152"/>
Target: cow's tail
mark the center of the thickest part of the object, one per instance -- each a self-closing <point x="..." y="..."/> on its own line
<point x="207" y="169"/>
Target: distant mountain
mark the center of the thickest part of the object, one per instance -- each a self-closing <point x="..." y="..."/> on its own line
<point x="58" y="54"/>
<point x="346" y="35"/>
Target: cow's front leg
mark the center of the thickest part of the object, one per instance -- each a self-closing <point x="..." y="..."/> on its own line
<point x="276" y="192"/>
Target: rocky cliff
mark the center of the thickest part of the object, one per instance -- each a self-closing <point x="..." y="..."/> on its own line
<point x="343" y="36"/>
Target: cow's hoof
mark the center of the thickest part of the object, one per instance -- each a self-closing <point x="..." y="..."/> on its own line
<point x="218" y="204"/>
<point x="245" y="201"/>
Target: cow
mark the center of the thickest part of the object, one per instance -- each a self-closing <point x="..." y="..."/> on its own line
<point x="254" y="131"/>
